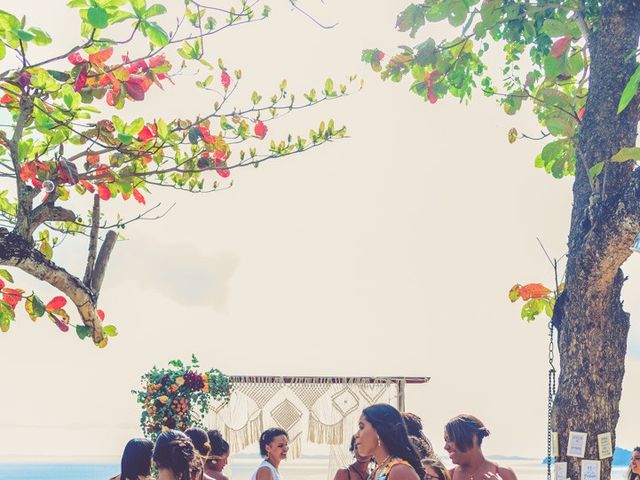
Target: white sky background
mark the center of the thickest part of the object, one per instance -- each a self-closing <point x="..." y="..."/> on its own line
<point x="389" y="253"/>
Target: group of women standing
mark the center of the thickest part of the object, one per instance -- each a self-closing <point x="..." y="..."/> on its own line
<point x="388" y="445"/>
<point x="190" y="455"/>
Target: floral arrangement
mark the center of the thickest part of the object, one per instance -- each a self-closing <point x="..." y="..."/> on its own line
<point x="178" y="396"/>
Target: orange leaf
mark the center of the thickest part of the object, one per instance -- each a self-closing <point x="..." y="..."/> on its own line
<point x="560" y="45"/>
<point x="101" y="56"/>
<point x="138" y="196"/>
<point x="56" y="303"/>
<point x="534" y="290"/>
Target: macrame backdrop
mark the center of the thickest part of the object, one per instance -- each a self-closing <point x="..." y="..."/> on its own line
<point x="317" y="410"/>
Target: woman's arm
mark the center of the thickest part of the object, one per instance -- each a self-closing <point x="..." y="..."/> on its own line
<point x="342" y="474"/>
<point x="264" y="473"/>
<point x="402" y="472"/>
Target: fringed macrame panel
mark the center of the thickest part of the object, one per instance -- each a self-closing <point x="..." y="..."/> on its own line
<point x="318" y="410"/>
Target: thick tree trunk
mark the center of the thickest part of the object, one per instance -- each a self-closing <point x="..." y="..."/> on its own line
<point x="592" y="325"/>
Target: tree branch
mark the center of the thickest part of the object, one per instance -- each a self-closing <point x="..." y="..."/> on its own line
<point x="16" y="251"/>
<point x="93" y="241"/>
<point x="48" y="212"/>
<point x="102" y="260"/>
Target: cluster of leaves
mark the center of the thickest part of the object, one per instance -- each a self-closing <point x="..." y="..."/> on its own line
<point x="538" y="299"/>
<point x="36" y="308"/>
<point x="553" y="75"/>
<point x="66" y="144"/>
<point x="179" y="396"/>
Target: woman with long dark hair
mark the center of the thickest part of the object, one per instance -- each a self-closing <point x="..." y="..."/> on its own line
<point x="175" y="457"/>
<point x="136" y="460"/>
<point x="634" y="466"/>
<point x="382" y="434"/>
<point x="218" y="457"/>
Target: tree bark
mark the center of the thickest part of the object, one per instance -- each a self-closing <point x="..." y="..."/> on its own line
<point x="592" y="325"/>
<point x="18" y="252"/>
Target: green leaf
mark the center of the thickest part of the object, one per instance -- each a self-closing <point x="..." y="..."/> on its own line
<point x="626" y="154"/>
<point x="6" y="275"/>
<point x="24" y="35"/>
<point x="40" y="36"/>
<point x="98" y="17"/>
<point x="83" y="331"/>
<point x="7" y="315"/>
<point x="176" y="363"/>
<point x="34" y="307"/>
<point x="110" y="330"/>
<point x="411" y="18"/>
<point x="458" y="11"/>
<point x="156" y="34"/>
<point x="77" y="3"/>
<point x="532" y="308"/>
<point x="595" y="170"/>
<point x="3" y="50"/>
<point x="630" y="90"/>
<point x="155" y="10"/>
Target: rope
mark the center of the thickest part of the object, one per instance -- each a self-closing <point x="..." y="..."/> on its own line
<point x="552" y="394"/>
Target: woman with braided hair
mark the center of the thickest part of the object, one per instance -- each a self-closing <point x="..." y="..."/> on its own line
<point x="463" y="440"/>
<point x="175" y="457"/>
<point x="382" y="434"/>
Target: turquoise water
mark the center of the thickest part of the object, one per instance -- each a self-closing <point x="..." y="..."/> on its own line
<point x="60" y="471"/>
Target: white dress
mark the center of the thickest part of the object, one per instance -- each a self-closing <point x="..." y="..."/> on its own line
<point x="274" y="472"/>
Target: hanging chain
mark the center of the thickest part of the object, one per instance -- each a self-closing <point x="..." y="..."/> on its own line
<point x="552" y="393"/>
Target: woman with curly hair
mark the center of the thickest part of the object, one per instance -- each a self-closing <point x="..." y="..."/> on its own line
<point x="382" y="434"/>
<point x="175" y="457"/>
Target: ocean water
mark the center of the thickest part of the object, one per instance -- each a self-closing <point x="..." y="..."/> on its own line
<point x="300" y="469"/>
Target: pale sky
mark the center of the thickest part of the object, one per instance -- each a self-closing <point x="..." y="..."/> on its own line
<point x="388" y="253"/>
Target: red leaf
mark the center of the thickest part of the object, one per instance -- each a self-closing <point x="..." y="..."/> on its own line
<point x="101" y="314"/>
<point x="81" y="81"/>
<point x="431" y="94"/>
<point x="138" y="196"/>
<point x="6" y="98"/>
<point x="101" y="56"/>
<point x="112" y="97"/>
<point x="379" y="55"/>
<point x="260" y="129"/>
<point x="581" y="113"/>
<point x="1" y="284"/>
<point x="56" y="303"/>
<point x="135" y="89"/>
<point x="221" y="168"/>
<point x="225" y="79"/>
<point x="90" y="188"/>
<point x="12" y="296"/>
<point x="145" y="134"/>
<point x="560" y="45"/>
<point x="534" y="290"/>
<point x="75" y="58"/>
<point x="28" y="171"/>
<point x="103" y="192"/>
<point x="206" y="134"/>
<point x="157" y="61"/>
<point x="61" y="325"/>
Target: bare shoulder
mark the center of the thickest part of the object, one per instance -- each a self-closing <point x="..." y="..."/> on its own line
<point x="402" y="471"/>
<point x="341" y="474"/>
<point x="264" y="473"/>
<point x="507" y="474"/>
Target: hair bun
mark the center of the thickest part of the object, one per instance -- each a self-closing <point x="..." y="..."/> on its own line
<point x="484" y="432"/>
